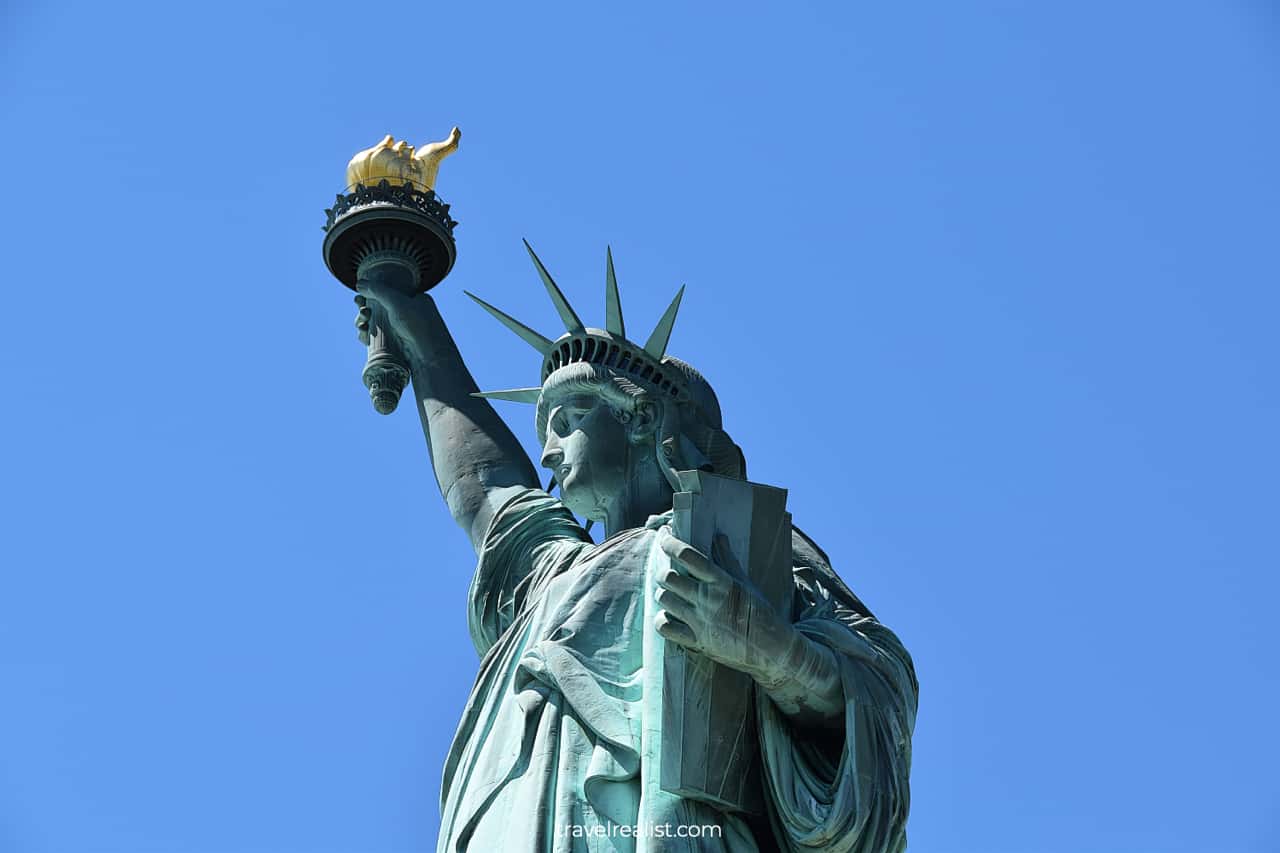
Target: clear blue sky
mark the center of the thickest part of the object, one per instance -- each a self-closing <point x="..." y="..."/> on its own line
<point x="990" y="287"/>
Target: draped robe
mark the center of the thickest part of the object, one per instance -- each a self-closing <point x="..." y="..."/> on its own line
<point x="550" y="752"/>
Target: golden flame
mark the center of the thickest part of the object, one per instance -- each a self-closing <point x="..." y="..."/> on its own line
<point x="397" y="162"/>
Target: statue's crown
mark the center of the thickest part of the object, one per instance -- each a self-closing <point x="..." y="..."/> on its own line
<point x="608" y="347"/>
<point x="398" y="163"/>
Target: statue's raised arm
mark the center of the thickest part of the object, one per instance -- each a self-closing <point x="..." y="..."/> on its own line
<point x="477" y="460"/>
<point x="390" y="238"/>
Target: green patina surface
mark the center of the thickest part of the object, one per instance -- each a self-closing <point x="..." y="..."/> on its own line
<point x="701" y="679"/>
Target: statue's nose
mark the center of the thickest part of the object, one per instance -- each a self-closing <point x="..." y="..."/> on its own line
<point x="552" y="453"/>
<point x="552" y="456"/>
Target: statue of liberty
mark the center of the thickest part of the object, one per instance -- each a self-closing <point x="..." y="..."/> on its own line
<point x="558" y="746"/>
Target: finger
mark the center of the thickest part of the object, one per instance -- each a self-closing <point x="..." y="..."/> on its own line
<point x="678" y="607"/>
<point x="683" y="585"/>
<point x="692" y="559"/>
<point x="362" y="322"/>
<point x="670" y="628"/>
<point x="363" y="337"/>
<point x="360" y="300"/>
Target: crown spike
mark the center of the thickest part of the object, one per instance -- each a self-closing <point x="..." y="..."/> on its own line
<point x="656" y="346"/>
<point x="535" y="340"/>
<point x="514" y="395"/>
<point x="567" y="314"/>
<point x="612" y="303"/>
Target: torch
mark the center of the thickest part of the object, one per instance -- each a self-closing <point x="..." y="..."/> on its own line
<point x="389" y="226"/>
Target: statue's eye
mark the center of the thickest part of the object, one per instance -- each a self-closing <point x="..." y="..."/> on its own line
<point x="565" y="417"/>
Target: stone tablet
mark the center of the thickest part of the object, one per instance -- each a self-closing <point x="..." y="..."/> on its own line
<point x="709" y="749"/>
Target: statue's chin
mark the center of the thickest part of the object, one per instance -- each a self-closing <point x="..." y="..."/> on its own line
<point x="581" y="501"/>
<point x="571" y="496"/>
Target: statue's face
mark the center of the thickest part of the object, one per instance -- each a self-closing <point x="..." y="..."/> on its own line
<point x="589" y="452"/>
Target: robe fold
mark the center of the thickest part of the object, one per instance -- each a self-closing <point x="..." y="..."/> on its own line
<point x="550" y="754"/>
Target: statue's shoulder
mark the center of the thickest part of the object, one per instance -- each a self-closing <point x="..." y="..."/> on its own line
<point x="816" y="578"/>
<point x="530" y="516"/>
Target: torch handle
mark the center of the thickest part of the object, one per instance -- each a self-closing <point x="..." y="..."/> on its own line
<point x="386" y="371"/>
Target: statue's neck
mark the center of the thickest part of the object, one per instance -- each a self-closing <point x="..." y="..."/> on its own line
<point x="647" y="493"/>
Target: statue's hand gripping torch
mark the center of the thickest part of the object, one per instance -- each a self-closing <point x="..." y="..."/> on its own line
<point x="390" y="228"/>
